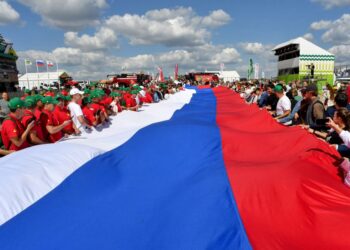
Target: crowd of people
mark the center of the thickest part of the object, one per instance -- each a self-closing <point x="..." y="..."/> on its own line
<point x="47" y="117"/>
<point x="323" y="112"/>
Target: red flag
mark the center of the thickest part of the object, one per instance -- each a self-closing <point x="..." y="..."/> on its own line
<point x="176" y="71"/>
<point x="161" y="75"/>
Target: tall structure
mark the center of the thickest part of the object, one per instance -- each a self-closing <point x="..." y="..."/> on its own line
<point x="300" y="59"/>
<point x="8" y="67"/>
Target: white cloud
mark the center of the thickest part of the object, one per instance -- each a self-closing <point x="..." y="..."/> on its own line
<point x="253" y="48"/>
<point x="321" y="25"/>
<point x="338" y="31"/>
<point x="170" y="27"/>
<point x="342" y="53"/>
<point x="97" y="64"/>
<point x="328" y="4"/>
<point x="104" y="39"/>
<point x="216" y="18"/>
<point x="7" y="13"/>
<point x="67" y="14"/>
<point x="308" y="36"/>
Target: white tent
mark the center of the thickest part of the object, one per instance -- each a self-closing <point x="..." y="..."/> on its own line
<point x="227" y="76"/>
<point x="31" y="80"/>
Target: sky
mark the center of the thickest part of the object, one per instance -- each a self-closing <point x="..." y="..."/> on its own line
<point x="92" y="38"/>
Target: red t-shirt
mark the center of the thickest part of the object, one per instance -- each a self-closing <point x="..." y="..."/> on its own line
<point x="28" y="115"/>
<point x="51" y="120"/>
<point x="130" y="102"/>
<point x="12" y="128"/>
<point x="62" y="115"/>
<point x="95" y="107"/>
<point x="89" y="115"/>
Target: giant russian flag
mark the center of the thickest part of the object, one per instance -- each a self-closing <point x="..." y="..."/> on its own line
<point x="201" y="170"/>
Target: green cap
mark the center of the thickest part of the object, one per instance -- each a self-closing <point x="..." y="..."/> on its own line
<point x="94" y="94"/>
<point x="49" y="100"/>
<point x="60" y="96"/>
<point x="68" y="98"/>
<point x="38" y="98"/>
<point x="27" y="91"/>
<point x="87" y="91"/>
<point x="16" y="103"/>
<point x="115" y="94"/>
<point x="87" y="100"/>
<point x="134" y="92"/>
<point x="278" y="88"/>
<point x="30" y="101"/>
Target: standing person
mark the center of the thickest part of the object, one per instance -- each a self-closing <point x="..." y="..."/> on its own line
<point x="283" y="107"/>
<point x="3" y="151"/>
<point x="62" y="114"/>
<point x="4" y="109"/>
<point x="53" y="129"/>
<point x="13" y="133"/>
<point x="315" y="109"/>
<point x="36" y="135"/>
<point x="76" y="111"/>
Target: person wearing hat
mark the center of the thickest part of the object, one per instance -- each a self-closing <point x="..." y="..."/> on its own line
<point x="26" y="93"/>
<point x="284" y="105"/>
<point x="115" y="104"/>
<point x="3" y="151"/>
<point x="53" y="129"/>
<point x="36" y="135"/>
<point x="62" y="114"/>
<point x="88" y="112"/>
<point x="13" y="133"/>
<point x="315" y="110"/>
<point x="130" y="101"/>
<point x="76" y="112"/>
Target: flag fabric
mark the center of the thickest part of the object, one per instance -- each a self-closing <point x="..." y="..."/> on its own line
<point x="161" y="74"/>
<point x="49" y="63"/>
<point x="40" y="63"/>
<point x="176" y="72"/>
<point x="27" y="62"/>
<point x="201" y="170"/>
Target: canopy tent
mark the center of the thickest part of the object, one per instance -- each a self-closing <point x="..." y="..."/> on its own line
<point x="30" y="80"/>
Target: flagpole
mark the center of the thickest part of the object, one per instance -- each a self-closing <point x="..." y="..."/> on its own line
<point x="48" y="75"/>
<point x="25" y="65"/>
<point x="37" y="71"/>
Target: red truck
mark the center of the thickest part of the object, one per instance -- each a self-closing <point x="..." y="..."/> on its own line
<point x="129" y="79"/>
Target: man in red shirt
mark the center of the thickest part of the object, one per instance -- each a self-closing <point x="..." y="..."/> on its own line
<point x="62" y="114"/>
<point x="13" y="133"/>
<point x="52" y="126"/>
<point x="98" y="110"/>
<point x="88" y="112"/>
<point x="36" y="135"/>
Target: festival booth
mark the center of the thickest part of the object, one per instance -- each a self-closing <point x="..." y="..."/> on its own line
<point x="297" y="59"/>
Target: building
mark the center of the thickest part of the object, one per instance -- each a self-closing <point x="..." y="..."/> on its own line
<point x="300" y="59"/>
<point x="8" y="67"/>
<point x="31" y="80"/>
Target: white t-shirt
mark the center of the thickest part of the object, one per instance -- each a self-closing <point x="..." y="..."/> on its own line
<point x="283" y="105"/>
<point x="75" y="112"/>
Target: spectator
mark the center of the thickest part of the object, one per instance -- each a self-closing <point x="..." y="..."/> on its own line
<point x="36" y="135"/>
<point x="272" y="99"/>
<point x="76" y="111"/>
<point x="14" y="134"/>
<point x="283" y="107"/>
<point x="53" y="129"/>
<point x="340" y="101"/>
<point x="4" y="110"/>
<point x="3" y="151"/>
<point x="293" y="117"/>
<point x="315" y="109"/>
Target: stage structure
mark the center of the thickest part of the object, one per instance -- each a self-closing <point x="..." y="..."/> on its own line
<point x="300" y="59"/>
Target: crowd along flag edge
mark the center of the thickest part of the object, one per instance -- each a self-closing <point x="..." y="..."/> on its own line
<point x="232" y="187"/>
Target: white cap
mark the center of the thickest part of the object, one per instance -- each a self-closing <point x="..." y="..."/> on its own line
<point x="75" y="91"/>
